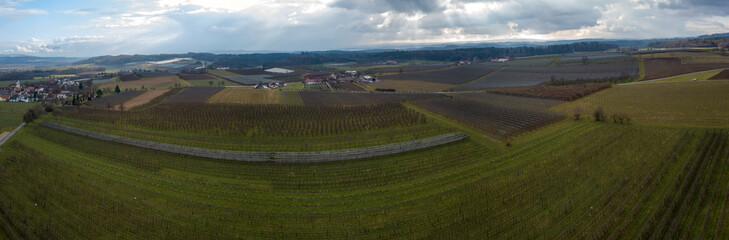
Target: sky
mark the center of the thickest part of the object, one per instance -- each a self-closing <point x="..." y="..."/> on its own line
<point x="85" y="28"/>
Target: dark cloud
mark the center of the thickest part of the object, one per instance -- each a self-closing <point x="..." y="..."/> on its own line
<point x="380" y="6"/>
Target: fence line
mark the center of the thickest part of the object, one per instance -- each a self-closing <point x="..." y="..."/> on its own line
<point x="283" y="157"/>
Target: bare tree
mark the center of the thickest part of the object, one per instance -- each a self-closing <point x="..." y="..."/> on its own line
<point x="599" y="114"/>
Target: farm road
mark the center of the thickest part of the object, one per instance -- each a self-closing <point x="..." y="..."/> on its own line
<point x="9" y="135"/>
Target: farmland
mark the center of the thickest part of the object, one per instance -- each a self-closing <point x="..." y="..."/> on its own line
<point x="565" y="93"/>
<point x="194" y="95"/>
<point x="11" y="114"/>
<point x="666" y="67"/>
<point x="316" y="98"/>
<point x="347" y="87"/>
<point x="148" y="83"/>
<point x="246" y="96"/>
<point x="499" y="121"/>
<point x="723" y="75"/>
<point x="519" y="192"/>
<point x="519" y="74"/>
<point x="521" y="164"/>
<point x="208" y="125"/>
<point x="409" y="85"/>
<point x="455" y="75"/>
<point x="114" y="99"/>
<point x="144" y="98"/>
<point x="702" y="103"/>
<point x="690" y="77"/>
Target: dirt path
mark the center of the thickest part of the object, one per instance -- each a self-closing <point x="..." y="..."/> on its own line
<point x="6" y="137"/>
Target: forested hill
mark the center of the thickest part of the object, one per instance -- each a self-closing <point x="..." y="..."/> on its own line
<point x="720" y="42"/>
<point x="306" y="58"/>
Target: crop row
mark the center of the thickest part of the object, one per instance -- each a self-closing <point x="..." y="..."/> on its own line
<point x="114" y="99"/>
<point x="194" y="95"/>
<point x="283" y="157"/>
<point x="524" y="75"/>
<point x="455" y="75"/>
<point x="497" y="120"/>
<point x="666" y="67"/>
<point x="558" y="186"/>
<point x="256" y="120"/>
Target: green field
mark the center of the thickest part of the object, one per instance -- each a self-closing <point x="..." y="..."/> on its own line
<point x="11" y="114"/>
<point x="698" y="104"/>
<point x="623" y="181"/>
<point x="663" y="176"/>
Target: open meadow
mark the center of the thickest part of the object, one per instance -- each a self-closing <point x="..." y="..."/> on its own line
<point x="697" y="104"/>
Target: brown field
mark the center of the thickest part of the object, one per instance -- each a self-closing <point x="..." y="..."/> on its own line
<point x="242" y="95"/>
<point x="665" y="67"/>
<point x="410" y="85"/>
<point x="565" y="93"/>
<point x="690" y="57"/>
<point x="723" y="75"/>
<point x="149" y="83"/>
<point x="143" y="98"/>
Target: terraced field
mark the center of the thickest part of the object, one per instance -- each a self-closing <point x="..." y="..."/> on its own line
<point x="702" y="103"/>
<point x="645" y="181"/>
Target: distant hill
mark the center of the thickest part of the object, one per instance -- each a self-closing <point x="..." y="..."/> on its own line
<point x="17" y="59"/>
<point x="364" y="56"/>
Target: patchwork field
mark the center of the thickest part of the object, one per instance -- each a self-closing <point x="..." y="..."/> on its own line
<point x="666" y="67"/>
<point x="527" y="170"/>
<point x="690" y="77"/>
<point x="723" y="75"/>
<point x="499" y="121"/>
<point x="114" y="100"/>
<point x="702" y="103"/>
<point x="153" y="83"/>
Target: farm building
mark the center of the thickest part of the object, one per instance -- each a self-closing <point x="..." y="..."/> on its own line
<point x="313" y="81"/>
<point x="279" y="70"/>
<point x="4" y="98"/>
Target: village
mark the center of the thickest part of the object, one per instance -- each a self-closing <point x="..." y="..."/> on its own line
<point x="56" y="89"/>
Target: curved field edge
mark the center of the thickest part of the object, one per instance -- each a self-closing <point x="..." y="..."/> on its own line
<point x="282" y="157"/>
<point x="267" y="144"/>
<point x="557" y="186"/>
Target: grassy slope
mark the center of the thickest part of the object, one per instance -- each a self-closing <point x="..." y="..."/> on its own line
<point x="11" y="114"/>
<point x="676" y="104"/>
<point x="557" y="186"/>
